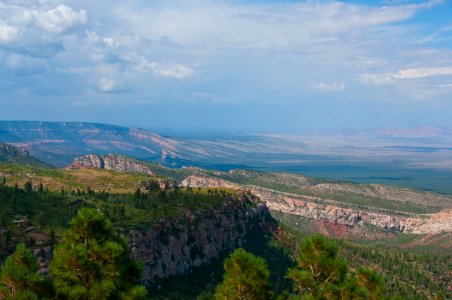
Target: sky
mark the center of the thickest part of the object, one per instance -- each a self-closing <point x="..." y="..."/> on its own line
<point x="236" y="65"/>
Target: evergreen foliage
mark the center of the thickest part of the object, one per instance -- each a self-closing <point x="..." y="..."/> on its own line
<point x="322" y="274"/>
<point x="92" y="262"/>
<point x="19" y="278"/>
<point x="246" y="277"/>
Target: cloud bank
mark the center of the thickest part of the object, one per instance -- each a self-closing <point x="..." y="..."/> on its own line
<point x="241" y="52"/>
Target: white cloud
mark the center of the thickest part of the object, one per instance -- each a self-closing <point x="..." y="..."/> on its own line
<point x="405" y="74"/>
<point x="171" y="70"/>
<point x="266" y="48"/>
<point x="60" y="19"/>
<point x="222" y="24"/>
<point x="37" y="29"/>
<point x="332" y="87"/>
<point x="106" y="84"/>
<point x="7" y="33"/>
<point x="422" y="73"/>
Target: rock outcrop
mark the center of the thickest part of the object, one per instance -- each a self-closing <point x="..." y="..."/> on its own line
<point x="88" y="161"/>
<point x="204" y="181"/>
<point x="110" y="162"/>
<point x="336" y="212"/>
<point x="174" y="247"/>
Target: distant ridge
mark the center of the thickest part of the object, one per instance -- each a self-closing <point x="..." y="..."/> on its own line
<point x="12" y="154"/>
<point x="58" y="143"/>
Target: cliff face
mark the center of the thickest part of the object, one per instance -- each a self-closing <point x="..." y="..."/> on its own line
<point x="336" y="212"/>
<point x="110" y="162"/>
<point x="171" y="247"/>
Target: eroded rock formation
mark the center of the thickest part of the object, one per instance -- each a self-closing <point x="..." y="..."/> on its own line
<point x="174" y="247"/>
<point x="110" y="162"/>
<point x="334" y="211"/>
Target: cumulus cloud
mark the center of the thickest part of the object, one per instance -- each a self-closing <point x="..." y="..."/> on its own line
<point x="37" y="29"/>
<point x="266" y="48"/>
<point x="332" y="87"/>
<point x="60" y="19"/>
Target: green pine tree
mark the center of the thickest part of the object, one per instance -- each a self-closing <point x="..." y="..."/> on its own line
<point x="372" y="282"/>
<point x="19" y="278"/>
<point x="320" y="271"/>
<point x="92" y="262"/>
<point x="246" y="277"/>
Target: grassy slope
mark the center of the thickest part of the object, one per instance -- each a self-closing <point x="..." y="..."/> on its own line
<point x="55" y="179"/>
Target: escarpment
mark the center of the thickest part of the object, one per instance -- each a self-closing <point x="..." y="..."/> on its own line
<point x="318" y="208"/>
<point x="173" y="247"/>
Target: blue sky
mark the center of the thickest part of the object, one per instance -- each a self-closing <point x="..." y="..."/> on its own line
<point x="228" y="64"/>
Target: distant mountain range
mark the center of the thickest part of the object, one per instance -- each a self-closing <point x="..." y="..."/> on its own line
<point x="58" y="143"/>
<point x="417" y="158"/>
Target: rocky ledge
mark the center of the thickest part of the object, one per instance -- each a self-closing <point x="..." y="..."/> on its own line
<point x="110" y="162"/>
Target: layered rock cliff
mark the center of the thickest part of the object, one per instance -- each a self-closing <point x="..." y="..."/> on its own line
<point x="174" y="247"/>
<point x="336" y="212"/>
<point x="110" y="162"/>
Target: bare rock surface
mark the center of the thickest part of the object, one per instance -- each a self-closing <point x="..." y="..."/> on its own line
<point x="204" y="181"/>
<point x="111" y="162"/>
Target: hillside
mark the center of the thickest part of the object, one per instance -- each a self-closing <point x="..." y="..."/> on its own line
<point x="11" y="154"/>
<point x="159" y="221"/>
<point x="358" y="211"/>
<point x="365" y="157"/>
<point x="58" y="143"/>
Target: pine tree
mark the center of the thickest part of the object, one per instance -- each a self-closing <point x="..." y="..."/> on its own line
<point x="320" y="271"/>
<point x="372" y="282"/>
<point x="246" y="277"/>
<point x="28" y="186"/>
<point x="19" y="278"/>
<point x="92" y="262"/>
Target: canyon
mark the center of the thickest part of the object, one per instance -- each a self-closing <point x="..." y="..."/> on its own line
<point x="318" y="208"/>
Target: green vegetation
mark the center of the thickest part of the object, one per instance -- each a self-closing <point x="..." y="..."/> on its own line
<point x="19" y="278"/>
<point x="410" y="273"/>
<point x="24" y="211"/>
<point x="322" y="274"/>
<point x="409" y="268"/>
<point x="72" y="179"/>
<point x="246" y="277"/>
<point x="92" y="262"/>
